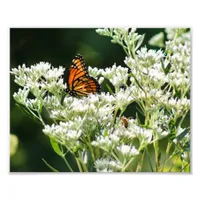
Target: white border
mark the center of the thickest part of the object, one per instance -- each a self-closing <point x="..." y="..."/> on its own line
<point x="102" y="13"/>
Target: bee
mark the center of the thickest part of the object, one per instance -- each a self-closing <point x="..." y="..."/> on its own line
<point x="124" y="121"/>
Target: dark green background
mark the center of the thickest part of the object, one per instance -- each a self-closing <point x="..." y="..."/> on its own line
<point x="58" y="47"/>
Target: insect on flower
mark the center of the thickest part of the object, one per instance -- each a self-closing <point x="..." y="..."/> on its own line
<point x="78" y="81"/>
<point x="124" y="121"/>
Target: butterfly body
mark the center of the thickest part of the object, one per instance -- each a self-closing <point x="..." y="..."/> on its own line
<point x="79" y="83"/>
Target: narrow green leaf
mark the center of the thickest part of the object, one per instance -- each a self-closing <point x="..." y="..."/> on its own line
<point x="110" y="90"/>
<point x="140" y="41"/>
<point x="56" y="147"/>
<point x="48" y="165"/>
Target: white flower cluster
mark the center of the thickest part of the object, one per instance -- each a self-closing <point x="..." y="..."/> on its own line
<point x="147" y="68"/>
<point x="39" y="78"/>
<point x="179" y="74"/>
<point x="66" y="133"/>
<point x="128" y="151"/>
<point x="120" y="75"/>
<point x="126" y="37"/>
<point x="182" y="34"/>
<point x="107" y="165"/>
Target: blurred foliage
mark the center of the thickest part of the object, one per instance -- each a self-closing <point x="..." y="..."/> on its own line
<point x="58" y="47"/>
<point x="13" y="144"/>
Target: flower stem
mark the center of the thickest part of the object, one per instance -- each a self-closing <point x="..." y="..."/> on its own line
<point x="156" y="148"/>
<point x="124" y="168"/>
<point x="140" y="163"/>
<point x="63" y="157"/>
<point x="81" y="165"/>
<point x="169" y="145"/>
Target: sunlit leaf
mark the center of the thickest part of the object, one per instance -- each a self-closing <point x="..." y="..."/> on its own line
<point x="140" y="41"/>
<point x="56" y="147"/>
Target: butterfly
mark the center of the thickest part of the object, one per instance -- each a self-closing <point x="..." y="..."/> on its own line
<point x="78" y="81"/>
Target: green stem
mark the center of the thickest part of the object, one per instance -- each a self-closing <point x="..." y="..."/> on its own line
<point x="63" y="157"/>
<point x="91" y="150"/>
<point x="115" y="157"/>
<point x="156" y="148"/>
<point x="79" y="165"/>
<point x="185" y="167"/>
<point x="169" y="145"/>
<point x="34" y="114"/>
<point x="40" y="117"/>
<point x="183" y="117"/>
<point x="140" y="163"/>
<point x="124" y="168"/>
<point x="114" y="117"/>
<point x="124" y="48"/>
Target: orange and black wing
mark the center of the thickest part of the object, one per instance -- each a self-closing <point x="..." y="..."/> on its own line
<point x="78" y="81"/>
<point x="86" y="85"/>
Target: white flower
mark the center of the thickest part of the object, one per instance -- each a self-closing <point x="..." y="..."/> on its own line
<point x="178" y="104"/>
<point x="128" y="151"/>
<point x="144" y="135"/>
<point x="161" y="133"/>
<point x="94" y="72"/>
<point x="125" y="97"/>
<point x="107" y="165"/>
<point x="65" y="131"/>
<point x="117" y="75"/>
<point x="106" y="143"/>
<point x="21" y="96"/>
<point x="54" y="73"/>
<point x="149" y="56"/>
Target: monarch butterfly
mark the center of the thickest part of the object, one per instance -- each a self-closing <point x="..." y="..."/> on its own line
<point x="79" y="83"/>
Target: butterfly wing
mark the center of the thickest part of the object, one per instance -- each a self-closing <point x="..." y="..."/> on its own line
<point x="78" y="81"/>
<point x="86" y="85"/>
<point x="77" y="69"/>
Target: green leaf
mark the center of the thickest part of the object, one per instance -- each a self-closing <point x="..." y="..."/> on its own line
<point x="110" y="90"/>
<point x="56" y="147"/>
<point x="140" y="41"/>
<point x="157" y="40"/>
<point x="48" y="165"/>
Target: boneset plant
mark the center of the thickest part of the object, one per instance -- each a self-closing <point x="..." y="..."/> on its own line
<point x="94" y="128"/>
